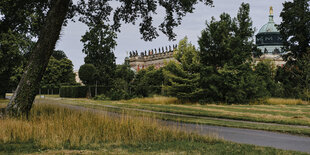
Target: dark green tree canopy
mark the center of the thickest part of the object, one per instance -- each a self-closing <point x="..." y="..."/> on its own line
<point x="58" y="72"/>
<point x="99" y="43"/>
<point x="59" y="54"/>
<point x="295" y="28"/>
<point x="94" y="11"/>
<point x="229" y="40"/>
<point x="87" y="73"/>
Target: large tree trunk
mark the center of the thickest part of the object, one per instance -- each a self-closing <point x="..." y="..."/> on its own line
<point x="22" y="100"/>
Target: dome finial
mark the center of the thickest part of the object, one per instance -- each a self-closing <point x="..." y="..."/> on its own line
<point x="271" y="11"/>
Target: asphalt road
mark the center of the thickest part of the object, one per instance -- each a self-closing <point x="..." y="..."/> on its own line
<point x="248" y="136"/>
<point x="245" y="136"/>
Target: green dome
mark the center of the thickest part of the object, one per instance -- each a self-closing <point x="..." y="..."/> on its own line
<point x="269" y="27"/>
<point x="269" y="39"/>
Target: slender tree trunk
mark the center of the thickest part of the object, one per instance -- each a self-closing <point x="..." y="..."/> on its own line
<point x="22" y="100"/>
<point x="4" y="83"/>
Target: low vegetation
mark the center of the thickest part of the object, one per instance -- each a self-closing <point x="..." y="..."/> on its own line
<point x="56" y="129"/>
<point x="154" y="100"/>
<point x="286" y="116"/>
<point x="282" y="101"/>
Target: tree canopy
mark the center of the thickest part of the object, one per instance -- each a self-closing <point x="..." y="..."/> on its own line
<point x="295" y="28"/>
<point x="58" y="72"/>
<point x="229" y="40"/>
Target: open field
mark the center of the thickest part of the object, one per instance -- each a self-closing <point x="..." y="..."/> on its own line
<point x="52" y="129"/>
<point x="293" y="119"/>
<point x="294" y="112"/>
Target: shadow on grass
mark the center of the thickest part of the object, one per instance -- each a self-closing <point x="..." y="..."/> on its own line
<point x="29" y="147"/>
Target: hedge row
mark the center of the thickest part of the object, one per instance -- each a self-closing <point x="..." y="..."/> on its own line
<point x="81" y="91"/>
<point x="46" y="91"/>
<point x="73" y="91"/>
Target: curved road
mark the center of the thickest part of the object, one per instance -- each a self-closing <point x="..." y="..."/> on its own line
<point x="246" y="136"/>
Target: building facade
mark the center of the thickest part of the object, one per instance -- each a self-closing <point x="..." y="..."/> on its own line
<point x="154" y="57"/>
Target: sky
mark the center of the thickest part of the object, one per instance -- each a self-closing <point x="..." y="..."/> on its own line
<point x="129" y="39"/>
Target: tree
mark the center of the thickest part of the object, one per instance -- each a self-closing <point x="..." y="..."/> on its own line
<point x="295" y="28"/>
<point x="228" y="41"/>
<point x="11" y="57"/>
<point x="88" y="74"/>
<point x="59" y="54"/>
<point x="226" y="49"/>
<point x="58" y="72"/>
<point x="123" y="74"/>
<point x="148" y="82"/>
<point x="20" y="21"/>
<point x="128" y="11"/>
<point x="182" y="80"/>
<point x="99" y="43"/>
<point x="266" y="72"/>
<point x="22" y="99"/>
<point x="188" y="56"/>
<point x="182" y="84"/>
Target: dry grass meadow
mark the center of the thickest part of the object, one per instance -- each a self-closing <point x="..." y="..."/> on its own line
<point x="50" y="126"/>
<point x="54" y="129"/>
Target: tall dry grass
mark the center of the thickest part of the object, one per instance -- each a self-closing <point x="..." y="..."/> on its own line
<point x="277" y="101"/>
<point x="155" y="100"/>
<point x="50" y="126"/>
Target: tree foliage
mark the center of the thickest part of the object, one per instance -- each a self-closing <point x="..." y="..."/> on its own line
<point x="87" y="74"/>
<point x="295" y="28"/>
<point x="148" y="82"/>
<point x="182" y="77"/>
<point x="99" y="43"/>
<point x="12" y="49"/>
<point x="58" y="72"/>
<point x="229" y="40"/>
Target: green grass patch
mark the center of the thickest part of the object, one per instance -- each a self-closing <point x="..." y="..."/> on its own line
<point x="175" y="147"/>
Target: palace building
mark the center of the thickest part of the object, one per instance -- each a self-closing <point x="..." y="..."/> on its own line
<point x="154" y="57"/>
<point x="268" y="39"/>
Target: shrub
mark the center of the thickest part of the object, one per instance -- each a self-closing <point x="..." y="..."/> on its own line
<point x="118" y="94"/>
<point x="101" y="97"/>
<point x="73" y="91"/>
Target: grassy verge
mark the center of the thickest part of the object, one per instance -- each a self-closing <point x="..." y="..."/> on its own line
<point x="53" y="129"/>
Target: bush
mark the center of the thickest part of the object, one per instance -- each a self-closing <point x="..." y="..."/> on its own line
<point x="101" y="97"/>
<point x="73" y="91"/>
<point x="118" y="94"/>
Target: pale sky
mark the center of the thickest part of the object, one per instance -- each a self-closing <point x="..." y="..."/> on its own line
<point x="192" y="25"/>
